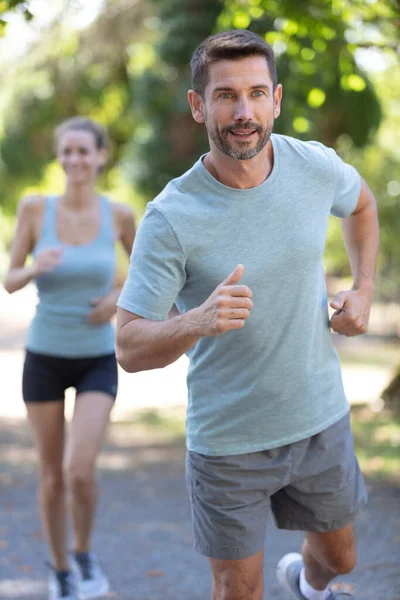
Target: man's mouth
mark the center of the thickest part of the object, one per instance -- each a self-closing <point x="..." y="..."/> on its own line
<point x="243" y="134"/>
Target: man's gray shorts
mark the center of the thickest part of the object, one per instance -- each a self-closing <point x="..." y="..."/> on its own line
<point x="311" y="485"/>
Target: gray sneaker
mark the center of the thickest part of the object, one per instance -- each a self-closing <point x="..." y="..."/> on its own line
<point x="288" y="574"/>
<point x="61" y="585"/>
<point x="90" y="579"/>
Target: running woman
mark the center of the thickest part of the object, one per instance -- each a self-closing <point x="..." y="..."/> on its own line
<point x="70" y="342"/>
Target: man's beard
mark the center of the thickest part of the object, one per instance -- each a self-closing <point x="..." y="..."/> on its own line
<point x="220" y="139"/>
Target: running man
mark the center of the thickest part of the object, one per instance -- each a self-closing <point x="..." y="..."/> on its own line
<point x="236" y="243"/>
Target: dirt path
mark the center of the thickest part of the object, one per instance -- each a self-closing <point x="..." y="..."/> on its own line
<point x="143" y="534"/>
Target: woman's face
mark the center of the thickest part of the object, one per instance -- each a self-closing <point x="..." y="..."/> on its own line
<point x="79" y="156"/>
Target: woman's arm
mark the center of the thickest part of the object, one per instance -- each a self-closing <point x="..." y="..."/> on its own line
<point x="106" y="306"/>
<point x="18" y="275"/>
<point x="127" y="228"/>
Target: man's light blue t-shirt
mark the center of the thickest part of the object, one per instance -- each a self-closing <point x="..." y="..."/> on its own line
<point x="277" y="380"/>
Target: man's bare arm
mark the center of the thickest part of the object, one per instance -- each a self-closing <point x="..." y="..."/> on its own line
<point x="143" y="344"/>
<point x="361" y="237"/>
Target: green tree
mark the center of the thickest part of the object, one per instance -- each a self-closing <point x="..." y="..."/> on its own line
<point x="67" y="72"/>
<point x="325" y="93"/>
<point x="10" y="6"/>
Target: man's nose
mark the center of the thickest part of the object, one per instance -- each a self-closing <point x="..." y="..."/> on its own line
<point x="243" y="111"/>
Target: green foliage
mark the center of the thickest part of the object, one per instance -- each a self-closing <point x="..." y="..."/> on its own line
<point x="16" y="6"/>
<point x="171" y="139"/>
<point x="130" y="70"/>
<point x="66" y="73"/>
<point x="378" y="163"/>
<point x="326" y="94"/>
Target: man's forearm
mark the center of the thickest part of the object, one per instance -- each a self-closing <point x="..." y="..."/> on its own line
<point x="361" y="237"/>
<point x="144" y="344"/>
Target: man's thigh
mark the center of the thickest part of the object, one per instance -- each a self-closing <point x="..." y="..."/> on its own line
<point x="326" y="488"/>
<point x="230" y="498"/>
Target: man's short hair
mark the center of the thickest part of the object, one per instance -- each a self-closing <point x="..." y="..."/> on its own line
<point x="229" y="45"/>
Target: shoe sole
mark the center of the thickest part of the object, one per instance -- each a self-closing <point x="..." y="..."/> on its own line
<point x="101" y="592"/>
<point x="282" y="568"/>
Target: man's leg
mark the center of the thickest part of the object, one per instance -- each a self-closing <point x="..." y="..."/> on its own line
<point x="238" y="579"/>
<point x="326" y="492"/>
<point x="230" y="503"/>
<point x="327" y="555"/>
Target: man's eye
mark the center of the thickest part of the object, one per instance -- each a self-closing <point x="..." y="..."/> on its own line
<point x="258" y="93"/>
<point x="226" y="95"/>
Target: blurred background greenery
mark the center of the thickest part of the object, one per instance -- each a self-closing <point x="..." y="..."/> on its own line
<point x="126" y="64"/>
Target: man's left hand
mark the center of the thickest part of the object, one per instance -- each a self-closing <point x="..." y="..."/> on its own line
<point x="351" y="315"/>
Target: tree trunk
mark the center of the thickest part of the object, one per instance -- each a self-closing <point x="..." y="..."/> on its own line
<point x="391" y="395"/>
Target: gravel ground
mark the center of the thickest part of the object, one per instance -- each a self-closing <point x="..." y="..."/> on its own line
<point x="143" y="531"/>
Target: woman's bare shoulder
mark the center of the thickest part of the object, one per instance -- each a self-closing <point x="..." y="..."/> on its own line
<point x="121" y="210"/>
<point x="31" y="206"/>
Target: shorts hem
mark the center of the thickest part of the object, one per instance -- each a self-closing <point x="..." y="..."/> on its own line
<point x="91" y="390"/>
<point x="42" y="400"/>
<point x="318" y="527"/>
<point x="227" y="552"/>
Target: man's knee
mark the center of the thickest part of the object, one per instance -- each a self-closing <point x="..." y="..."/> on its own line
<point x="336" y="550"/>
<point x="343" y="562"/>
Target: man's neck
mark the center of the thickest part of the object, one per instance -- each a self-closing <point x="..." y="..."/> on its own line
<point x="240" y="174"/>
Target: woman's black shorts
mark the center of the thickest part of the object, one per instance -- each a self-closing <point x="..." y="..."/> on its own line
<point x="45" y="378"/>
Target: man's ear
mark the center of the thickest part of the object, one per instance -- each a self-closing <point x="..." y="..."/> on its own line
<point x="277" y="100"/>
<point x="197" y="106"/>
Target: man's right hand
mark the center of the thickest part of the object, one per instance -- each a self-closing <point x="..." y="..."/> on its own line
<point x="227" y="308"/>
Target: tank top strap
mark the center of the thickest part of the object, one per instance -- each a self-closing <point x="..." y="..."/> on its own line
<point x="49" y="225"/>
<point x="107" y="221"/>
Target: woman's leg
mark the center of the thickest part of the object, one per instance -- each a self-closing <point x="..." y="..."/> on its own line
<point x="85" y="439"/>
<point x="46" y="420"/>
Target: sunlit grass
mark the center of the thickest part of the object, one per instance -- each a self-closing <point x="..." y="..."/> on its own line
<point x="159" y="422"/>
<point x="377" y="442"/>
<point x="369" y="353"/>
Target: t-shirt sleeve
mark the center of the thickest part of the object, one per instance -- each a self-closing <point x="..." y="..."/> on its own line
<point x="347" y="186"/>
<point x="157" y="269"/>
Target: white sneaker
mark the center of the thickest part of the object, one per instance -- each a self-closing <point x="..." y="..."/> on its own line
<point x="89" y="576"/>
<point x="61" y="585"/>
<point x="288" y="573"/>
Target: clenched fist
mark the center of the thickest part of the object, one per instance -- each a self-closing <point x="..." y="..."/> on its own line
<point x="352" y="312"/>
<point x="227" y="308"/>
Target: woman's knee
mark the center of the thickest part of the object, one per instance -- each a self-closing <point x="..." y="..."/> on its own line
<point x="52" y="483"/>
<point x="79" y="478"/>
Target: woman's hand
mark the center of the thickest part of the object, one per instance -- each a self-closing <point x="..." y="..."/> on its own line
<point x="46" y="260"/>
<point x="104" y="309"/>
